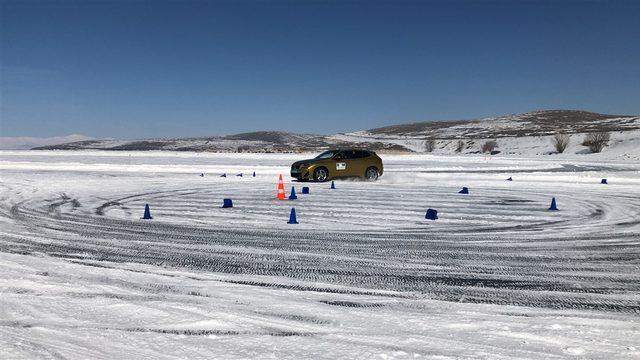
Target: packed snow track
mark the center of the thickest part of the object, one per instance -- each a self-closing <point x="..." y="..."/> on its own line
<point x="363" y="274"/>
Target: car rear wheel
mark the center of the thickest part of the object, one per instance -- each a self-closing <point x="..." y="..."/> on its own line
<point x="371" y="174"/>
<point x="321" y="174"/>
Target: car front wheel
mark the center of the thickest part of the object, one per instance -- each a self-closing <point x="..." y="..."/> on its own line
<point x="320" y="174"/>
<point x="371" y="174"/>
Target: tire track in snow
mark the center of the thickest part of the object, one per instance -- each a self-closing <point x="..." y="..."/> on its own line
<point x="497" y="245"/>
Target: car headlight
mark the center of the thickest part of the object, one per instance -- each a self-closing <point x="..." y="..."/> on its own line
<point x="305" y="164"/>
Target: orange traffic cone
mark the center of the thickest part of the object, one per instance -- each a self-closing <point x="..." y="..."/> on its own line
<point x="280" y="195"/>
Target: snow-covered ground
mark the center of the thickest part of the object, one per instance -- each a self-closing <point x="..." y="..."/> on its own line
<point x="363" y="275"/>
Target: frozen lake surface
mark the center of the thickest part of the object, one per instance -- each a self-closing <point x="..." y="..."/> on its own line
<point x="363" y="274"/>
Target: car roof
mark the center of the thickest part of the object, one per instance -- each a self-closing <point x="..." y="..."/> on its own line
<point x="350" y="149"/>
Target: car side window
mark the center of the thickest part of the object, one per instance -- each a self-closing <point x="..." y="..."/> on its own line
<point x="362" y="154"/>
<point x="344" y="155"/>
<point x="351" y="154"/>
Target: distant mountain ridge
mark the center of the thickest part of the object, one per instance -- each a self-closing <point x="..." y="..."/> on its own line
<point x="396" y="138"/>
<point x="259" y="141"/>
<point x="24" y="142"/>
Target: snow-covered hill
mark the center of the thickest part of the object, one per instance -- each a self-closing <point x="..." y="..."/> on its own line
<point x="520" y="134"/>
<point x="535" y="123"/>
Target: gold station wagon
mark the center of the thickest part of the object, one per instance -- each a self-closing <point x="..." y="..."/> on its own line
<point x="333" y="164"/>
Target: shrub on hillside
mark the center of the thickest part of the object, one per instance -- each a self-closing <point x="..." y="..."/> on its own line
<point x="596" y="141"/>
<point x="430" y="145"/>
<point x="489" y="146"/>
<point x="560" y="141"/>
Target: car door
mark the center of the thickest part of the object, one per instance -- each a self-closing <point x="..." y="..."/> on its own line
<point x="345" y="163"/>
<point x="362" y="162"/>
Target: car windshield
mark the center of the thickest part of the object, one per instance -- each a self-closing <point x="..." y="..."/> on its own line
<point x="326" y="155"/>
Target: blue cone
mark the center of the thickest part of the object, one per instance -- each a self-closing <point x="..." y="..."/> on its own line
<point x="147" y="213"/>
<point x="553" y="206"/>
<point x="305" y="189"/>
<point x="431" y="214"/>
<point x="465" y="190"/>
<point x="333" y="185"/>
<point x="254" y="174"/>
<point x="293" y="193"/>
<point x="227" y="203"/>
<point x="223" y="175"/>
<point x="292" y="217"/>
<point x="603" y="181"/>
<point x="510" y="178"/>
<point x="239" y="174"/>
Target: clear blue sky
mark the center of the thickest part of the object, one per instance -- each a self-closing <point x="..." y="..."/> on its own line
<point x="193" y="68"/>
